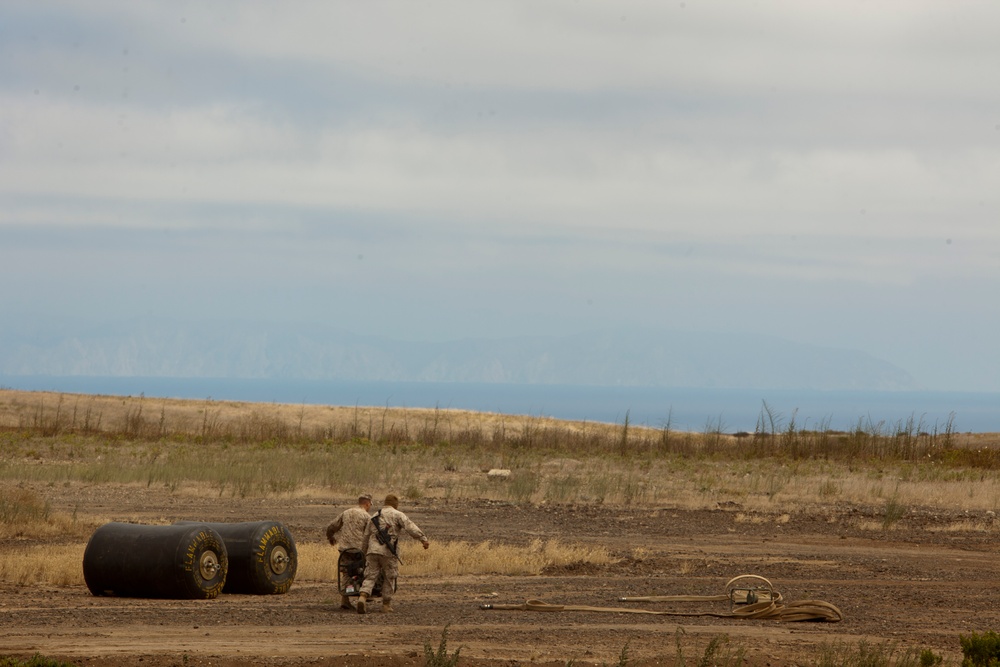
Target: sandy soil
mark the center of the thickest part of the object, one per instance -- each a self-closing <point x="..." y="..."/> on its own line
<point x="917" y="585"/>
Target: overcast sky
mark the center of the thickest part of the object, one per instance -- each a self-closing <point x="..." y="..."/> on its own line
<point x="827" y="172"/>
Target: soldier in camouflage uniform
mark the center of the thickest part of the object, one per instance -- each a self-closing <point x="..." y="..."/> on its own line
<point x="380" y="550"/>
<point x="347" y="532"/>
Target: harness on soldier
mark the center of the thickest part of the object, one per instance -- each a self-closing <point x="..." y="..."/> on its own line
<point x="383" y="537"/>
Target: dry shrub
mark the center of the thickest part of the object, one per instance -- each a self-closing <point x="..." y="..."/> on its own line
<point x="965" y="526"/>
<point x="59" y="565"/>
<point x="876" y="525"/>
<point x="22" y="507"/>
<point x="689" y="566"/>
<point x="25" y="514"/>
<point x="641" y="553"/>
<point x="317" y="561"/>
<point x="455" y="558"/>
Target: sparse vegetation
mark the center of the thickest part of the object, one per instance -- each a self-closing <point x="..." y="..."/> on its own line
<point x="880" y="654"/>
<point x="23" y="507"/>
<point x="24" y="514"/>
<point x="251" y="450"/>
<point x="440" y="658"/>
<point x="979" y="651"/>
<point x="623" y="656"/>
<point x="130" y="419"/>
<point x="719" y="652"/>
<point x="34" y="661"/>
<point x="894" y="512"/>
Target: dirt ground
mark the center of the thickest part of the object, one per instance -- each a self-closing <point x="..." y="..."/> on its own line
<point x="917" y="585"/>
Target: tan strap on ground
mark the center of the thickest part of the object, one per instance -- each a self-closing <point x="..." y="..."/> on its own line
<point x="773" y="608"/>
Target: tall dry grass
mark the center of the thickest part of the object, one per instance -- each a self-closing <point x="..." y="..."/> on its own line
<point x="62" y="565"/>
<point x="52" y="565"/>
<point x="26" y="514"/>
<point x="507" y="437"/>
<point x="318" y="561"/>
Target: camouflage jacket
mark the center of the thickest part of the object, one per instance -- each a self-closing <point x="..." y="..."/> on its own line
<point x="347" y="530"/>
<point x="395" y="523"/>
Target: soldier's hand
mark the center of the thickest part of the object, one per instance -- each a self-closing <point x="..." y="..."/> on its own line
<point x="333" y="540"/>
<point x="427" y="545"/>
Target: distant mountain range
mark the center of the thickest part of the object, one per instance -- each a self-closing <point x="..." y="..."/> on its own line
<point x="621" y="358"/>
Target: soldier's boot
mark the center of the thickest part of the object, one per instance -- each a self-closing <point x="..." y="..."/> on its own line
<point x="387" y="607"/>
<point x="345" y="602"/>
<point x="362" y="607"/>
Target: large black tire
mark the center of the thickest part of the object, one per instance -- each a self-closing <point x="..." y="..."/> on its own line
<point x="262" y="556"/>
<point x="134" y="560"/>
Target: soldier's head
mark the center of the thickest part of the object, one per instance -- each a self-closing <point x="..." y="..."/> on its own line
<point x="365" y="500"/>
<point x="392" y="501"/>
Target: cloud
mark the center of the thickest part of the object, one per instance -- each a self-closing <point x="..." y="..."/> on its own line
<point x="596" y="116"/>
<point x="586" y="46"/>
<point x="636" y="161"/>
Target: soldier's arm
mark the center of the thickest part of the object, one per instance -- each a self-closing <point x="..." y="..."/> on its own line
<point x="366" y="537"/>
<point x="413" y="530"/>
<point x="334" y="528"/>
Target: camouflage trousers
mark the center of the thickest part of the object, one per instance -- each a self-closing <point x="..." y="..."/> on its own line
<point x="388" y="568"/>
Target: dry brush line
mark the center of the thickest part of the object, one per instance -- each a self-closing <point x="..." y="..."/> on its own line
<point x="318" y="561"/>
<point x="46" y="414"/>
<point x="53" y="413"/>
<point x="62" y="565"/>
<point x="266" y="455"/>
<point x="52" y="565"/>
<point x="26" y="515"/>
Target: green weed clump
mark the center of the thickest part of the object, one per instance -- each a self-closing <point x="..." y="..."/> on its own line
<point x="981" y="650"/>
<point x="440" y="658"/>
<point x="623" y="656"/>
<point x="719" y="652"/>
<point x="894" y="512"/>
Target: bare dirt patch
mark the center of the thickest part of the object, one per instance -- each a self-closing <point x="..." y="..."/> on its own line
<point x="921" y="584"/>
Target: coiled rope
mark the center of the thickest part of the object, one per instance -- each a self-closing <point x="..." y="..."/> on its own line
<point x="750" y="597"/>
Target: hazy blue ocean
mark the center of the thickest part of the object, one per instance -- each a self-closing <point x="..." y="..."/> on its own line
<point x="687" y="409"/>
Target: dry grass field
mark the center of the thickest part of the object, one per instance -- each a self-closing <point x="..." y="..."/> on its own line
<point x="895" y="526"/>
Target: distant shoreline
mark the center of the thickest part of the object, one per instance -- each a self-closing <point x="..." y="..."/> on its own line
<point x="729" y="410"/>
